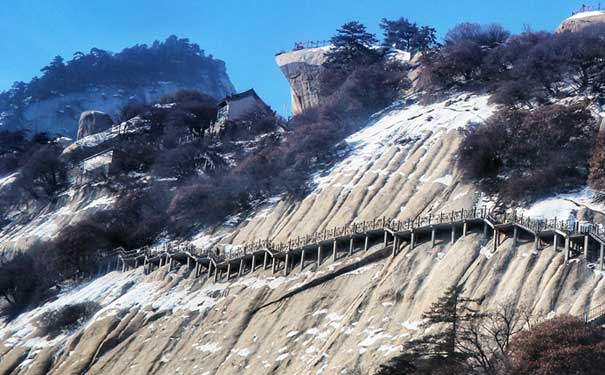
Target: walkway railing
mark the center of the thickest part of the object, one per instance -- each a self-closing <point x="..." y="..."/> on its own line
<point x="310" y="44"/>
<point x="251" y="250"/>
<point x="595" y="314"/>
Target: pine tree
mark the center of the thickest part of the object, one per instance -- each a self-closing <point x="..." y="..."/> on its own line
<point x="398" y="33"/>
<point x="352" y="47"/>
<point x="439" y="350"/>
<point x="407" y="36"/>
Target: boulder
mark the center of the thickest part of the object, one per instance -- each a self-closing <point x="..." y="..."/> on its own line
<point x="580" y="21"/>
<point x="92" y="122"/>
<point x="302" y="69"/>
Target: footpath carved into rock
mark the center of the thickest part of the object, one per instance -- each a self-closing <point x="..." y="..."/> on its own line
<point x="573" y="238"/>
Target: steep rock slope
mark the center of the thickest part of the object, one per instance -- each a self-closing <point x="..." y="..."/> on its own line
<point x="60" y="114"/>
<point x="350" y="314"/>
<point x="401" y="165"/>
<point x="171" y="323"/>
<point x="301" y="68"/>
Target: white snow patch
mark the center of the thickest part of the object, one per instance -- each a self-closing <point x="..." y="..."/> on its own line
<point x="592" y="13"/>
<point x="411" y="122"/>
<point x="562" y="205"/>
<point x="211" y="347"/>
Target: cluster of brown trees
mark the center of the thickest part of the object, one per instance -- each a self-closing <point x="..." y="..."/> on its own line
<point x="522" y="154"/>
<point x="504" y="341"/>
<point x="527" y="69"/>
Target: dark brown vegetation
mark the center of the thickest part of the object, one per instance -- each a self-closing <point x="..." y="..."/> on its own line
<point x="67" y="318"/>
<point x="504" y="341"/>
<point x="561" y="346"/>
<point x="523" y="154"/>
<point x="527" y="69"/>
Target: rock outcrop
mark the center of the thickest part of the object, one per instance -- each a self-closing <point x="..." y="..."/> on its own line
<point x="60" y="114"/>
<point x="302" y="68"/>
<point x="93" y="122"/>
<point x="581" y="21"/>
<point x="347" y="316"/>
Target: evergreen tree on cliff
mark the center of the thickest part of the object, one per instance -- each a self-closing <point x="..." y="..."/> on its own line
<point x="352" y="47"/>
<point x="437" y="353"/>
<point x="407" y="36"/>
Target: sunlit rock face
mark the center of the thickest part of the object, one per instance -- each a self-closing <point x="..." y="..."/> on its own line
<point x="582" y="20"/>
<point x="92" y="122"/>
<point x="302" y="69"/>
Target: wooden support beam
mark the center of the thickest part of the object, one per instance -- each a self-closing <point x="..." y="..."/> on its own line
<point x="286" y="265"/>
<point x="228" y="271"/>
<point x="536" y="242"/>
<point x="210" y="270"/>
<point x="567" y="249"/>
<point x="485" y="229"/>
<point x="351" y="246"/>
<point x="601" y="251"/>
<point x="555" y="242"/>
<point x="495" y="239"/>
<point x="433" y="237"/>
<point x="136" y="263"/>
<point x="366" y="243"/>
<point x="188" y="262"/>
<point x="453" y="234"/>
<point x="265" y="261"/>
<point x="273" y="265"/>
<point x="334" y="249"/>
<point x="161" y="261"/>
<point x="515" y="236"/>
<point x="302" y="260"/>
<point x="253" y="263"/>
<point x="241" y="267"/>
<point x="318" y="256"/>
<point x="386" y="238"/>
<point x="464" y="229"/>
<point x="586" y="246"/>
<point x="395" y="243"/>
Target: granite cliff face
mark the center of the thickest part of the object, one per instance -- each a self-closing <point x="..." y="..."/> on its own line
<point x="61" y="114"/>
<point x="302" y="68"/>
<point x="581" y="21"/>
<point x="347" y="315"/>
<point x="92" y="122"/>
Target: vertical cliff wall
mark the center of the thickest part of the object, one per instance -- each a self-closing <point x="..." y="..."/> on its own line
<point x="302" y="69"/>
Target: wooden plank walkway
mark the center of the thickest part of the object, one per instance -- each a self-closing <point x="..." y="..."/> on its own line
<point x="575" y="240"/>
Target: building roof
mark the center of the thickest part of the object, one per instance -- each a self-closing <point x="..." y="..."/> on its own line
<point x="240" y="95"/>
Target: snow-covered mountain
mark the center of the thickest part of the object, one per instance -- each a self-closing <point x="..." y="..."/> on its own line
<point x="402" y="164"/>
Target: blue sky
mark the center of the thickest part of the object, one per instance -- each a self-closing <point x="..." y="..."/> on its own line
<point x="244" y="33"/>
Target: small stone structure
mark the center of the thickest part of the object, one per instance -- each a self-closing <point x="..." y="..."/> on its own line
<point x="92" y="122"/>
<point x="101" y="165"/>
<point x="239" y="106"/>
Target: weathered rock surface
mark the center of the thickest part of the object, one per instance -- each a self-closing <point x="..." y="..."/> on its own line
<point x="170" y="323"/>
<point x="93" y="122"/>
<point x="60" y="114"/>
<point x="319" y="320"/>
<point x="302" y="69"/>
<point x="580" y="21"/>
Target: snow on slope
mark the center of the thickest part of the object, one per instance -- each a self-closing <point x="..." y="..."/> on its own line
<point x="408" y="123"/>
<point x="400" y="165"/>
<point x="588" y="14"/>
<point x="564" y="205"/>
